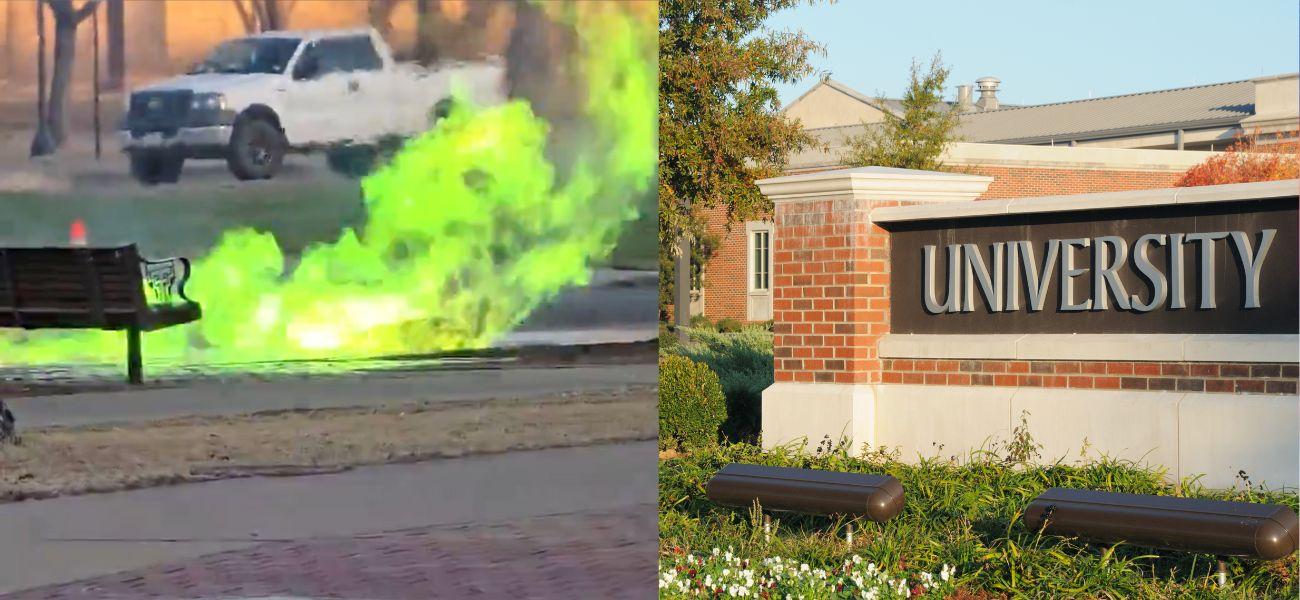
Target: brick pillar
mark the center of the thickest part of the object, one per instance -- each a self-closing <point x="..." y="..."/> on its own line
<point x="831" y="286"/>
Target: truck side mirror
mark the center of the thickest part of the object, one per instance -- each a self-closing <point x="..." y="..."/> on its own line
<point x="308" y="67"/>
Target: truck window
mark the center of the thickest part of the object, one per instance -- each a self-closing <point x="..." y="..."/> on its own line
<point x="344" y="54"/>
<point x="249" y="55"/>
<point x="362" y="53"/>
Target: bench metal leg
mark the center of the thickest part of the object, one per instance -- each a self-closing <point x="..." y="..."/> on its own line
<point x="134" y="362"/>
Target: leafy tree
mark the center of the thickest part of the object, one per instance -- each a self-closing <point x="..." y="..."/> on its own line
<point x="916" y="138"/>
<point x="1248" y="160"/>
<point x="720" y="121"/>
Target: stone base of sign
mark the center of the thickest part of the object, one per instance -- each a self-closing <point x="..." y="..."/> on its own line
<point x="1188" y="434"/>
<point x="809" y="413"/>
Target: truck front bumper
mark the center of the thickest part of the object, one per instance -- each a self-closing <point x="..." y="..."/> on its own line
<point x="198" y="142"/>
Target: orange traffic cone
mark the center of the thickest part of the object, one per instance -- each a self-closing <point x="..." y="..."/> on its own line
<point x="77" y="233"/>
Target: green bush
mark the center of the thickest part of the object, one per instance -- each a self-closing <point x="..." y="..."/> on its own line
<point x="730" y="325"/>
<point x="667" y="340"/>
<point x="691" y="404"/>
<point x="964" y="512"/>
<point x="743" y="363"/>
<point x="701" y="322"/>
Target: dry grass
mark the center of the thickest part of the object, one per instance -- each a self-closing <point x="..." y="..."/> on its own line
<point x="55" y="462"/>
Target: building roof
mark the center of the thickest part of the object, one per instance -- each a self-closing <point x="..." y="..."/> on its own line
<point x="1130" y="114"/>
<point x="893" y="105"/>
<point x="1189" y="108"/>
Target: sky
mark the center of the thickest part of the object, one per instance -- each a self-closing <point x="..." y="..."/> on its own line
<point x="1049" y="50"/>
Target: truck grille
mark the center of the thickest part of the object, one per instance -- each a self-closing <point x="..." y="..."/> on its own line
<point x="158" y="111"/>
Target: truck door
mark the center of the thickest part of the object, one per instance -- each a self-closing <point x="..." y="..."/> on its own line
<point x="321" y="106"/>
<point x="367" y="87"/>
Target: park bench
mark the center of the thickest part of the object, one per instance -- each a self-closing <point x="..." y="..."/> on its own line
<point x="94" y="288"/>
<point x="810" y="491"/>
<point x="1222" y="528"/>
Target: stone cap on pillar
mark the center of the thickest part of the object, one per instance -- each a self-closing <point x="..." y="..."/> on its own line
<point x="876" y="183"/>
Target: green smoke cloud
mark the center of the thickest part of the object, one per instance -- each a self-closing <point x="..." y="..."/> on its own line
<point x="468" y="230"/>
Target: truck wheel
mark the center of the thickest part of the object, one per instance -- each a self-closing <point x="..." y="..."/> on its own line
<point x="256" y="149"/>
<point x="151" y="167"/>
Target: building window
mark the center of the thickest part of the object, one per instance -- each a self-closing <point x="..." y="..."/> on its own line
<point x="759" y="299"/>
<point x="761" y="260"/>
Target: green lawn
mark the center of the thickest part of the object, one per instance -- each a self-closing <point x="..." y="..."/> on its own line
<point x="960" y="515"/>
<point x="187" y="220"/>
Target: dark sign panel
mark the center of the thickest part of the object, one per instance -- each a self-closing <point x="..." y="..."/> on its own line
<point x="1225" y="267"/>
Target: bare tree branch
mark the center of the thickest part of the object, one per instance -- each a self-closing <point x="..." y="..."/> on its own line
<point x="249" y="26"/>
<point x="86" y="10"/>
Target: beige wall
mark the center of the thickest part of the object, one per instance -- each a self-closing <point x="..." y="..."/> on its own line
<point x="826" y="106"/>
<point x="1277" y="104"/>
<point x="165" y="36"/>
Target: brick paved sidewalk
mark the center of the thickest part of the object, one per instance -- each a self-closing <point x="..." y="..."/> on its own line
<point x="605" y="555"/>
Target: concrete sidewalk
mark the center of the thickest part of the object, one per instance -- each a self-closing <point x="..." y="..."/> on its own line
<point x="66" y="539"/>
<point x="370" y="390"/>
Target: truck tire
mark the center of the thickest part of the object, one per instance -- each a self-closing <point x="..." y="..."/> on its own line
<point x="256" y="149"/>
<point x="154" y="167"/>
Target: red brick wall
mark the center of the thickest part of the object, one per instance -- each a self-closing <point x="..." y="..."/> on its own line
<point x="725" y="290"/>
<point x="1025" y="182"/>
<point x="1259" y="378"/>
<point x="830" y="291"/>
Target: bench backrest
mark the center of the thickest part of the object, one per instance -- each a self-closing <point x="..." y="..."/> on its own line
<point x="71" y="287"/>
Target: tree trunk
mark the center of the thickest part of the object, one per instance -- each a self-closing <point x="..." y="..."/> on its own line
<point x="42" y="142"/>
<point x="51" y="132"/>
<point x="116" y="44"/>
<point x="536" y="63"/>
<point x="11" y="38"/>
<point x="65" y="54"/>
<point x="426" y="51"/>
<point x="380" y="13"/>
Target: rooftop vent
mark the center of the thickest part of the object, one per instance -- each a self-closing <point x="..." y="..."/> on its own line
<point x="988" y="93"/>
<point x="964" y="103"/>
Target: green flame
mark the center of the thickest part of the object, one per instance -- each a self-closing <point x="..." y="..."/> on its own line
<point x="468" y="230"/>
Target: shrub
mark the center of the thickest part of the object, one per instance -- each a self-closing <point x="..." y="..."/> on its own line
<point x="1248" y="160"/>
<point x="701" y="322"/>
<point x="667" y="340"/>
<point x="743" y="363"/>
<point x="730" y="325"/>
<point x="691" y="404"/>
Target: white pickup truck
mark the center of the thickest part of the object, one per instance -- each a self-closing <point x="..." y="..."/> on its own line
<point x="255" y="98"/>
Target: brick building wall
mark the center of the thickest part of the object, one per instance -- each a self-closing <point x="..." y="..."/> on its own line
<point x="1026" y="182"/>
<point x="725" y="285"/>
<point x="1253" y="378"/>
<point x="725" y="290"/>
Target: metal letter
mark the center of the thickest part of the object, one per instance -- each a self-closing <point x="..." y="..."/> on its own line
<point x="953" y="301"/>
<point x="1036" y="287"/>
<point x="1250" y="264"/>
<point x="1159" y="289"/>
<point x="1176" y="299"/>
<point x="1103" y="272"/>
<point x="1012" y="302"/>
<point x="1207" y="263"/>
<point x="1068" y="273"/>
<point x="974" y="268"/>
